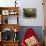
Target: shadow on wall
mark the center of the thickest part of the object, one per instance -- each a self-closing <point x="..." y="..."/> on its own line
<point x="37" y="29"/>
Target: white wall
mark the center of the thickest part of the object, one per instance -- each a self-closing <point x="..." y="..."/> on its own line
<point x="38" y="21"/>
<point x="7" y="3"/>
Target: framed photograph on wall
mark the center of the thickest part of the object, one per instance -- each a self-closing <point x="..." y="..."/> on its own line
<point x="29" y="12"/>
<point x="5" y="12"/>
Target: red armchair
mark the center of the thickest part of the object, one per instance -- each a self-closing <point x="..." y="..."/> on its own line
<point x="29" y="36"/>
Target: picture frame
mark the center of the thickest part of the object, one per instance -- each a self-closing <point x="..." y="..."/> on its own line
<point x="29" y="12"/>
<point x="13" y="12"/>
<point x="5" y="12"/>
